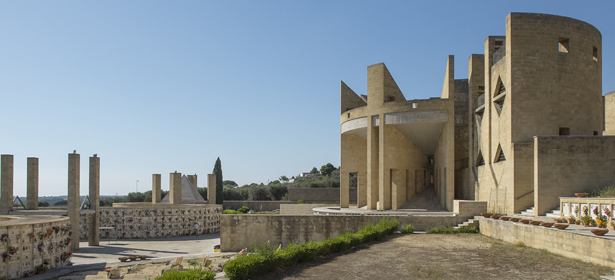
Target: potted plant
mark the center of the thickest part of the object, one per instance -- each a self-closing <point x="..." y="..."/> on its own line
<point x="586" y="221"/>
<point x="570" y="220"/>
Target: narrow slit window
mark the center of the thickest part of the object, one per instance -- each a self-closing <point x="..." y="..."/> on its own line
<point x="564" y="131"/>
<point x="348" y="115"/>
<point x="499" y="155"/>
<point x="564" y="45"/>
<point x="595" y="54"/>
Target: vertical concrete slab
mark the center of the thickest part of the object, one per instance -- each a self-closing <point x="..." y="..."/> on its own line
<point x="175" y="188"/>
<point x="361" y="189"/>
<point x="211" y="188"/>
<point x="384" y="173"/>
<point x="32" y="184"/>
<point x="372" y="165"/>
<point x="192" y="179"/>
<point x="398" y="184"/>
<point x="156" y="189"/>
<point x="94" y="195"/>
<point x="73" y="205"/>
<point x="344" y="190"/>
<point x="6" y="184"/>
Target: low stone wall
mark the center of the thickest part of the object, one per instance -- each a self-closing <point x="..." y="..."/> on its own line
<point x="599" y="250"/>
<point x="241" y="231"/>
<point x="469" y="208"/>
<point x="256" y="205"/>
<point x="146" y="220"/>
<point x="300" y="209"/>
<point x="37" y="239"/>
<point x="320" y="195"/>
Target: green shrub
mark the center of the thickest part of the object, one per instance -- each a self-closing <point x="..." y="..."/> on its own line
<point x="407" y="229"/>
<point x="243" y="209"/>
<point x="467" y="229"/>
<point x="300" y="201"/>
<point x="267" y="257"/>
<point x="441" y="230"/>
<point x="190" y="274"/>
<point x="520" y="244"/>
<point x="230" y="211"/>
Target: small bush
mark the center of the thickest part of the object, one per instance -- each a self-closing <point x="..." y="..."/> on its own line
<point x="243" y="209"/>
<point x="190" y="274"/>
<point x="441" y="230"/>
<point x="267" y="257"/>
<point x="407" y="229"/>
<point x="467" y="229"/>
<point x="300" y="201"/>
<point x="229" y="211"/>
<point x="520" y="244"/>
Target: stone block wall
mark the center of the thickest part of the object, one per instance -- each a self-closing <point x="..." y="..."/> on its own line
<point x="469" y="208"/>
<point x="320" y="195"/>
<point x="155" y="221"/>
<point x="37" y="240"/>
<point x="300" y="209"/>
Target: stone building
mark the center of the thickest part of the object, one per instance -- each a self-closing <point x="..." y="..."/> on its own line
<point x="524" y="129"/>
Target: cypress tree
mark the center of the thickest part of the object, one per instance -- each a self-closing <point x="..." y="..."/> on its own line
<point x="219" y="187"/>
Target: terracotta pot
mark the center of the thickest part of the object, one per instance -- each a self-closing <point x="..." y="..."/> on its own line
<point x="495" y="216"/>
<point x="123" y="259"/>
<point x="571" y="221"/>
<point x="514" y="219"/>
<point x="577" y="222"/>
<point x="485" y="215"/>
<point x="599" y="232"/>
<point x="524" y="221"/>
<point x="560" y="226"/>
<point x="133" y="258"/>
<point x="143" y="257"/>
<point x="581" y="194"/>
<point x="535" y="223"/>
<point x="547" y="224"/>
<point x="504" y="218"/>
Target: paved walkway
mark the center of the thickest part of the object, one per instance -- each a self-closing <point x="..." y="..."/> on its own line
<point x="159" y="250"/>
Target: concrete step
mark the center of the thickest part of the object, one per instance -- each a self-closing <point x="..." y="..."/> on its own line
<point x="470" y="222"/>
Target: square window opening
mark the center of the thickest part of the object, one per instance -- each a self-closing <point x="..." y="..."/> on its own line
<point x="564" y="131"/>
<point x="564" y="45"/>
<point x="595" y="133"/>
<point x="415" y="105"/>
<point x="391" y="98"/>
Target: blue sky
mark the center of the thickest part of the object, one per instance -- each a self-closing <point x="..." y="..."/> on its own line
<point x="164" y="86"/>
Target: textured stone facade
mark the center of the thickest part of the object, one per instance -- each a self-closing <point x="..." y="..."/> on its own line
<point x="477" y="140"/>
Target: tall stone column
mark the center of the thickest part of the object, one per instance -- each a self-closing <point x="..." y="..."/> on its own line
<point x="6" y="184"/>
<point x="361" y="189"/>
<point x="193" y="180"/>
<point x="94" y="194"/>
<point x="32" y="183"/>
<point x="372" y="166"/>
<point x="211" y="188"/>
<point x="344" y="189"/>
<point x="73" y="197"/>
<point x="156" y="189"/>
<point x="384" y="173"/>
<point x="175" y="188"/>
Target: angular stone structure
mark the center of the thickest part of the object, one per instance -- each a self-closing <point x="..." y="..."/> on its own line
<point x="73" y="203"/>
<point x="189" y="193"/>
<point x="6" y="184"/>
<point x="192" y="179"/>
<point x="175" y="185"/>
<point x="156" y="188"/>
<point x="94" y="195"/>
<point x="211" y="188"/>
<point x="32" y="184"/>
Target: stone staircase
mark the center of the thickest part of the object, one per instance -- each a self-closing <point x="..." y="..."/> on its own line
<point x="529" y="212"/>
<point x="470" y="222"/>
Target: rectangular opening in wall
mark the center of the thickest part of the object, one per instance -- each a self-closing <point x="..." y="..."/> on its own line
<point x="415" y="105"/>
<point x="595" y="133"/>
<point x="348" y="115"/>
<point x="564" y="45"/>
<point x="564" y="131"/>
<point x="391" y="98"/>
<point x="352" y="180"/>
<point x="595" y="54"/>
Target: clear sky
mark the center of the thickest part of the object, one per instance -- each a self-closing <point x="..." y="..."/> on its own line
<point x="164" y="86"/>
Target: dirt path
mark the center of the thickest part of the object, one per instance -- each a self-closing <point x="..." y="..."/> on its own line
<point x="431" y="256"/>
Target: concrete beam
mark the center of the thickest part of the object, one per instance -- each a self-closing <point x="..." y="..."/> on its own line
<point x="6" y="184"/>
<point x="32" y="184"/>
<point x="211" y="188"/>
<point x="93" y="219"/>
<point x="175" y="188"/>
<point x="73" y="203"/>
<point x="156" y="189"/>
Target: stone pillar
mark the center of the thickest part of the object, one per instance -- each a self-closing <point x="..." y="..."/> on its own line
<point x="193" y="180"/>
<point x="211" y="188"/>
<point x="344" y="189"/>
<point x="175" y="188"/>
<point x="372" y="166"/>
<point x="6" y="184"/>
<point x="384" y="173"/>
<point x="156" y="189"/>
<point x="73" y="197"/>
<point x="32" y="184"/>
<point x="361" y="189"/>
<point x="94" y="218"/>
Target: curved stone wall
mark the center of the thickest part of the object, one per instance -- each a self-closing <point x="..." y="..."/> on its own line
<point x="146" y="220"/>
<point x="30" y="241"/>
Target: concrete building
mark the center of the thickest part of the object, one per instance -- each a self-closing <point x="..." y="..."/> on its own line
<point x="522" y="130"/>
